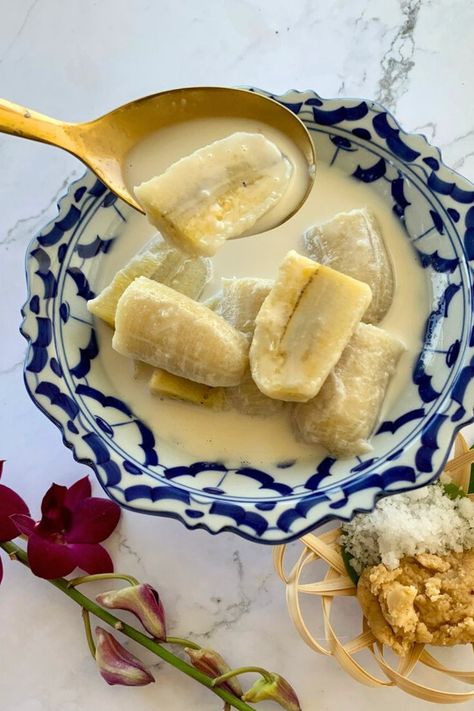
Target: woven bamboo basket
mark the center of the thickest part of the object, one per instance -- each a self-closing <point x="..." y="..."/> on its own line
<point x="336" y="583"/>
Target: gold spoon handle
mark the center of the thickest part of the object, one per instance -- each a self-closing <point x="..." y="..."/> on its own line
<point x="25" y="123"/>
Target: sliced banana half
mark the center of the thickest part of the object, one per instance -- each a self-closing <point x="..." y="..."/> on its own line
<point x="303" y="326"/>
<point x="344" y="413"/>
<point x="352" y="243"/>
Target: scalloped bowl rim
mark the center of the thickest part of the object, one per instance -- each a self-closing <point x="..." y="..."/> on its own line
<point x="372" y="496"/>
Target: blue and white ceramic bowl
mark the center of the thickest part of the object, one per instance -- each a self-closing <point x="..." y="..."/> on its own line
<point x="67" y="379"/>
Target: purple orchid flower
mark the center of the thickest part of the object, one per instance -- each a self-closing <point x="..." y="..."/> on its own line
<point x="10" y="504"/>
<point x="72" y="525"/>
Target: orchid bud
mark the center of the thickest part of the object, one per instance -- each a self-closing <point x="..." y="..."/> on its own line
<point x="274" y="689"/>
<point x="141" y="600"/>
<point x="116" y="665"/>
<point x="211" y="663"/>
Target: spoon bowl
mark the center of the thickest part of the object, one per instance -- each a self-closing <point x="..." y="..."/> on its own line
<point x="104" y="143"/>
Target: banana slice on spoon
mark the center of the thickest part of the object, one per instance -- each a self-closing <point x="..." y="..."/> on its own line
<point x="216" y="193"/>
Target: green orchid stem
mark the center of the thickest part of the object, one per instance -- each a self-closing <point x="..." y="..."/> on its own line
<point x="101" y="576"/>
<point x="86" y="618"/>
<point x="132" y="633"/>
<point x="182" y="642"/>
<point x="242" y="670"/>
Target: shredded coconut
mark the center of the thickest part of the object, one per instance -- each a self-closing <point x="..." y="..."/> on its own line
<point x="420" y="521"/>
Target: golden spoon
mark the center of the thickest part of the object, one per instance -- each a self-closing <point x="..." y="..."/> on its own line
<point x="103" y="144"/>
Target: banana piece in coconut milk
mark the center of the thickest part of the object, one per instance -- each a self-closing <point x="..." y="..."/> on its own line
<point x="158" y="325"/>
<point x="160" y="263"/>
<point x="303" y="326"/>
<point x="241" y="301"/>
<point x="352" y="243"/>
<point x="172" y="386"/>
<point x="344" y="413"/>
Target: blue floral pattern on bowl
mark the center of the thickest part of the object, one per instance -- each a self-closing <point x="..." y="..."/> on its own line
<point x="64" y="376"/>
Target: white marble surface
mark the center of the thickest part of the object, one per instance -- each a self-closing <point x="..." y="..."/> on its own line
<point x="76" y="60"/>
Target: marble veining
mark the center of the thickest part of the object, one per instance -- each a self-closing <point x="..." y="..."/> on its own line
<point x="398" y="61"/>
<point x="28" y="224"/>
<point x="77" y="60"/>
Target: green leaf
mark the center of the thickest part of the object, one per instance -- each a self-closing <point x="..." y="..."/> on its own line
<point x="453" y="491"/>
<point x="347" y="563"/>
